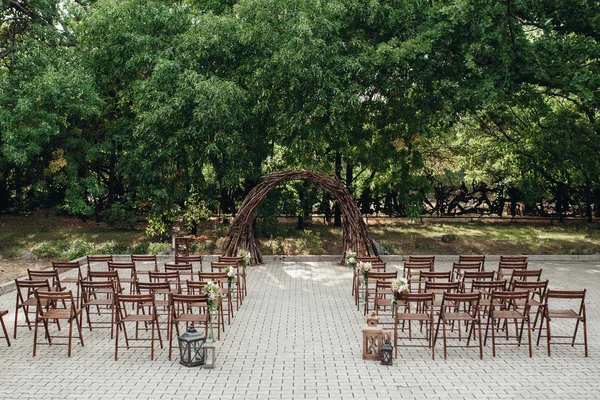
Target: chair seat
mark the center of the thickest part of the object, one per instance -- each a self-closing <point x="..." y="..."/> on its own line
<point x="100" y="302"/>
<point x="414" y="316"/>
<point x="509" y="314"/>
<point x="139" y="318"/>
<point x="458" y="316"/>
<point x="562" y="314"/>
<point x="192" y="317"/>
<point x="60" y="314"/>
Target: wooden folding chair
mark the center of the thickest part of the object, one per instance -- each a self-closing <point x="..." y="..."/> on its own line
<point x="161" y="292"/>
<point x="69" y="266"/>
<point x="459" y="268"/>
<point x="416" y="307"/>
<point x="197" y="288"/>
<point x="50" y="275"/>
<point x="537" y="294"/>
<point x="131" y="309"/>
<point x="26" y="299"/>
<point x="172" y="277"/>
<point x="564" y="298"/>
<point x="422" y="259"/>
<point x="506" y="269"/>
<point x="509" y="307"/>
<point x="432" y="276"/>
<point x="514" y="259"/>
<point x="196" y="258"/>
<point x="371" y="284"/>
<point x="355" y="277"/>
<point x="236" y="290"/>
<point x="412" y="271"/>
<point x="186" y="270"/>
<point x="359" y="290"/>
<point x="2" y="314"/>
<point x="188" y="308"/>
<point x="239" y="261"/>
<point x="527" y="275"/>
<point x="220" y="278"/>
<point x="138" y="260"/>
<point x="126" y="271"/>
<point x="464" y="258"/>
<point x="99" y="294"/>
<point x="98" y="260"/>
<point x="48" y="309"/>
<point x="468" y="277"/>
<point x="459" y="307"/>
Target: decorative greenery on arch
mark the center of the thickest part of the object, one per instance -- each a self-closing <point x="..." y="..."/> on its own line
<point x="241" y="234"/>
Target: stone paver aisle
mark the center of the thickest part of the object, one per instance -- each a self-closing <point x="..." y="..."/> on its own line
<point x="298" y="335"/>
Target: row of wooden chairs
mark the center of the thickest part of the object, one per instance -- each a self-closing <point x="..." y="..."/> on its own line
<point x="503" y="309"/>
<point x="101" y="290"/>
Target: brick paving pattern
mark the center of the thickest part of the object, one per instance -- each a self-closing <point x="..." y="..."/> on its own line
<point x="298" y="335"/>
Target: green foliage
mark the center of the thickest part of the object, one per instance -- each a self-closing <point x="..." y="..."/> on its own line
<point x="120" y="216"/>
<point x="310" y="243"/>
<point x="155" y="248"/>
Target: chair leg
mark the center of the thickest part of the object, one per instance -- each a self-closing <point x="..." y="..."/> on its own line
<point x="35" y="333"/>
<point x="5" y="332"/>
<point x="585" y="344"/>
<point x="70" y="335"/>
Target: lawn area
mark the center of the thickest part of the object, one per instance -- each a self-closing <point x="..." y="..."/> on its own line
<point x="33" y="240"/>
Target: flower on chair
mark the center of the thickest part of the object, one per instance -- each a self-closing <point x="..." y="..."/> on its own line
<point x="230" y="275"/>
<point x="351" y="259"/>
<point x="400" y="285"/>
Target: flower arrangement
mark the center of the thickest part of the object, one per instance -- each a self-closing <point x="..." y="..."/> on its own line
<point x="351" y="259"/>
<point x="365" y="267"/>
<point x="245" y="258"/>
<point x="230" y="275"/>
<point x="400" y="285"/>
<point x="213" y="291"/>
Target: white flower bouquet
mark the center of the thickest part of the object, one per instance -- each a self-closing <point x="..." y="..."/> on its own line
<point x="351" y="259"/>
<point x="230" y="275"/>
<point x="213" y="291"/>
<point x="400" y="285"/>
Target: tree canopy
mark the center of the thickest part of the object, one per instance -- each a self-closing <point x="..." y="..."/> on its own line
<point x="111" y="108"/>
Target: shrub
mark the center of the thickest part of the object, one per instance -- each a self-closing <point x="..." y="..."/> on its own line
<point x="120" y="216"/>
<point x="155" y="248"/>
<point x="310" y="242"/>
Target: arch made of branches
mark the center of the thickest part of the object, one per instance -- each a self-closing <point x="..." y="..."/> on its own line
<point x="241" y="235"/>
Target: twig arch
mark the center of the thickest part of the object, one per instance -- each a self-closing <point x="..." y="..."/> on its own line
<point x="241" y="235"/>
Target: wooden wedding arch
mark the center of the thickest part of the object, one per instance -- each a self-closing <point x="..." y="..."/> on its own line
<point x="241" y="234"/>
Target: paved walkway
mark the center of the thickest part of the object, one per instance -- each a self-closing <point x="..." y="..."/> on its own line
<point x="298" y="335"/>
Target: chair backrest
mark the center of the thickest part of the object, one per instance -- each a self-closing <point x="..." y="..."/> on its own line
<point x="412" y="269"/>
<point x="129" y="268"/>
<point x="138" y="259"/>
<point x="181" y="267"/>
<point x="435" y="276"/>
<point x="194" y="300"/>
<point x="514" y="259"/>
<point x="372" y="277"/>
<point x="63" y="266"/>
<point x="535" y="288"/>
<point x="27" y="288"/>
<point x="196" y="258"/>
<point x="97" y="260"/>
<point x="468" y="277"/>
<point x="89" y="288"/>
<point x="422" y="259"/>
<point x="463" y="302"/>
<point x="459" y="268"/>
<point x="227" y="259"/>
<point x="104" y="275"/>
<point x="505" y="268"/>
<point x="441" y="287"/>
<point x="378" y="266"/>
<point x="218" y="277"/>
<point x="525" y="275"/>
<point x="134" y="301"/>
<point x="50" y="275"/>
<point x="422" y="301"/>
<point x="172" y="277"/>
<point x="153" y="287"/>
<point x="222" y="266"/>
<point x="472" y="258"/>
<point x="486" y="288"/>
<point x="370" y="259"/>
<point x="508" y="300"/>
<point x="195" y="287"/>
<point x="48" y="300"/>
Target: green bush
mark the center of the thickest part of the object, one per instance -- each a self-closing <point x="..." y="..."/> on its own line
<point x="155" y="248"/>
<point x="310" y="243"/>
<point x="119" y="216"/>
<point x="140" y="248"/>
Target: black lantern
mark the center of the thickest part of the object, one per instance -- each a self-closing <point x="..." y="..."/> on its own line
<point x="190" y="348"/>
<point x="386" y="352"/>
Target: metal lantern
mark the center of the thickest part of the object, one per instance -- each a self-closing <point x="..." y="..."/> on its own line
<point x="191" y="346"/>
<point x="386" y="352"/>
<point x="210" y="355"/>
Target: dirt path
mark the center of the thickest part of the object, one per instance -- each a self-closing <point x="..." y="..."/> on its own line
<point x="12" y="269"/>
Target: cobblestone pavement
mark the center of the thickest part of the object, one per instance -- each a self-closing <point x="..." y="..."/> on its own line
<point x="298" y="335"/>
